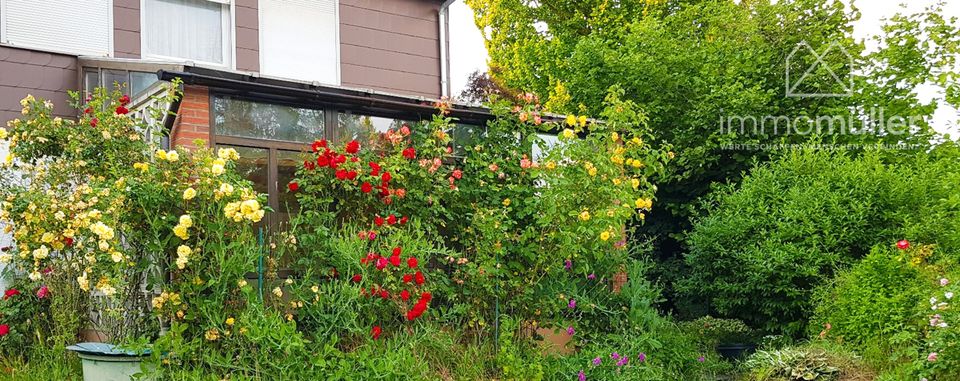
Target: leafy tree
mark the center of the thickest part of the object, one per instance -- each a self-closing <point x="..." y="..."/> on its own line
<point x="693" y="64"/>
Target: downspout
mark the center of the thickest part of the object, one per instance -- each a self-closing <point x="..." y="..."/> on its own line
<point x="444" y="25"/>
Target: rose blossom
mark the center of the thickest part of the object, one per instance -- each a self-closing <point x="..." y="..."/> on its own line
<point x="932" y="357"/>
<point x="43" y="292"/>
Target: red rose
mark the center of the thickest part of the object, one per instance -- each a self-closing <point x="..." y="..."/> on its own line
<point x="87" y="110"/>
<point x="308" y="165"/>
<point x="351" y="175"/>
<point x="122" y="110"/>
<point x="410" y="153"/>
<point x="396" y="251"/>
<point x="341" y="174"/>
<point x="4" y="330"/>
<point x="378" y="221"/>
<point x="124" y="100"/>
<point x="381" y="263"/>
<point x="385" y="178"/>
<point x="10" y="292"/>
<point x="418" y="278"/>
<point x="375" y="332"/>
<point x="395" y="260"/>
<point x="43" y="292"/>
<point x="903" y="244"/>
<point x="341" y="159"/>
<point x="93" y="122"/>
<point x="391" y="219"/>
<point x="412" y="262"/>
<point x="366" y="188"/>
<point x="67" y="241"/>
<point x="405" y="295"/>
<point x="357" y="278"/>
<point x="323" y="161"/>
<point x="426" y="297"/>
<point x="387" y="200"/>
<point x="353" y="147"/>
<point x="317" y="144"/>
<point x="384" y="294"/>
<point x="407" y="278"/>
<point x="374" y="169"/>
<point x="384" y="192"/>
<point x="403" y="220"/>
<point x="293" y="186"/>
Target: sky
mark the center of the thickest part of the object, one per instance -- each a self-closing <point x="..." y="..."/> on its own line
<point x="468" y="54"/>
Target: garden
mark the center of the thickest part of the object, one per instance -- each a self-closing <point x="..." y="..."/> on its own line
<point x="630" y="247"/>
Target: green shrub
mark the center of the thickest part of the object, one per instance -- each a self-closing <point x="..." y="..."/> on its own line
<point x="813" y="361"/>
<point x="873" y="306"/>
<point x="713" y="331"/>
<point x="766" y="244"/>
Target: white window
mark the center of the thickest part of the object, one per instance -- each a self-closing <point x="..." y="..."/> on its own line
<point x="80" y="27"/>
<point x="188" y="30"/>
<point x="299" y="40"/>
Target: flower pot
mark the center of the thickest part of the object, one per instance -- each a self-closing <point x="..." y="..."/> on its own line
<point x="735" y="351"/>
<point x="105" y="362"/>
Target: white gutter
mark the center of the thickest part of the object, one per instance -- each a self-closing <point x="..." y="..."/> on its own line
<point x="444" y="25"/>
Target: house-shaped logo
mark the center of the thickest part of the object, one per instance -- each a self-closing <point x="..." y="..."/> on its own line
<point x="810" y="74"/>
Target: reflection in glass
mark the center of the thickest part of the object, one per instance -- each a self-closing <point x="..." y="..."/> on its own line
<point x="463" y="136"/>
<point x="366" y="128"/>
<point x="236" y="117"/>
<point x="287" y="164"/>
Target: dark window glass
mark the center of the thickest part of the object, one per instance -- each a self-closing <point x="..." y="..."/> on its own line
<point x="91" y="80"/>
<point x="463" y="136"/>
<point x="253" y="165"/>
<point x="365" y="127"/>
<point x="287" y="164"/>
<point x="241" y="118"/>
<point x="115" y="80"/>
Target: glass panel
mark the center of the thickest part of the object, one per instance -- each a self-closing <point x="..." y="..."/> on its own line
<point x="91" y="80"/>
<point x="287" y="164"/>
<point x="140" y="81"/>
<point x="115" y="79"/>
<point x="463" y="136"/>
<point x="188" y="29"/>
<point x="242" y="118"/>
<point x="365" y="128"/>
<point x="252" y="166"/>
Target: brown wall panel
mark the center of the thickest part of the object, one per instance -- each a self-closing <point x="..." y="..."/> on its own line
<point x="44" y="75"/>
<point x="391" y="46"/>
<point x="126" y="28"/>
<point x="248" y="35"/>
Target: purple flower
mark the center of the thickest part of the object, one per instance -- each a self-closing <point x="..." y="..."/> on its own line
<point x="581" y="376"/>
<point x="615" y="356"/>
<point x="592" y="276"/>
<point x="597" y="361"/>
<point x="567" y="265"/>
<point x="642" y="357"/>
<point x="701" y="359"/>
<point x="571" y="331"/>
<point x="572" y="304"/>
<point x="623" y="361"/>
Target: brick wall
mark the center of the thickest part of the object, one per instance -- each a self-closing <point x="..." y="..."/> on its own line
<point x="193" y="119"/>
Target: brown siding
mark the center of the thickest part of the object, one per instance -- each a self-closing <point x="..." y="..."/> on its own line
<point x="44" y="75"/>
<point x="392" y="46"/>
<point x="248" y="35"/>
<point x="126" y="28"/>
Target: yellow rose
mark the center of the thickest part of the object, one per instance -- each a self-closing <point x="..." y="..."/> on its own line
<point x="212" y="334"/>
<point x="506" y="202"/>
<point x="216" y="169"/>
<point x="47" y="238"/>
<point x="551" y="165"/>
<point x="583" y="120"/>
<point x="605" y="236"/>
<point x="592" y="171"/>
<point x="3" y="133"/>
<point x="116" y="256"/>
<point x="103" y="245"/>
<point x="278" y="292"/>
<point x="615" y="136"/>
<point x="568" y="133"/>
<point x="173" y="156"/>
<point x="181" y="231"/>
<point x="228" y="154"/>
<point x="229" y="321"/>
<point x="242" y="283"/>
<point x="189" y="194"/>
<point x="617" y="181"/>
<point x="184" y="250"/>
<point x="584" y="216"/>
<point x="186" y="221"/>
<point x="635" y="183"/>
<point x="161" y="154"/>
<point x="226" y="188"/>
<point x="571" y="120"/>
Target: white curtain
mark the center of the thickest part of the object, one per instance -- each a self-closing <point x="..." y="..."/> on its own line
<point x="186" y="29"/>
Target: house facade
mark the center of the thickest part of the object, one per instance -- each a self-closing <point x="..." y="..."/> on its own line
<point x="265" y="77"/>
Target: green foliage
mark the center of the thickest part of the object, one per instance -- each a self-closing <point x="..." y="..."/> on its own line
<point x="712" y="331"/>
<point x="769" y="242"/>
<point x="873" y="306"/>
<point x="812" y="361"/>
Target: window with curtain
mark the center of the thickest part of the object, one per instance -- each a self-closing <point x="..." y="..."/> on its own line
<point x="195" y="30"/>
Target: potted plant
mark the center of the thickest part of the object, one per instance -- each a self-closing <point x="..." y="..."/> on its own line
<point x="731" y="338"/>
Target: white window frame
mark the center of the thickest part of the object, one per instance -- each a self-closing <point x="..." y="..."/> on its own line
<point x="3" y="37"/>
<point x="228" y="36"/>
<point x="336" y="36"/>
